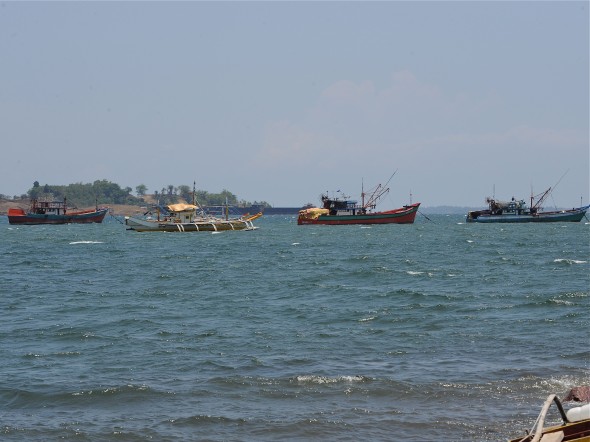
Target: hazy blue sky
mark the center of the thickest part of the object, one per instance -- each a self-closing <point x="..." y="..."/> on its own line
<point x="280" y="101"/>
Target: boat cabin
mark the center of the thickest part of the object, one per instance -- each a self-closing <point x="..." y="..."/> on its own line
<point x="48" y="207"/>
<point x="181" y="213"/>
<point x="512" y="207"/>
<point x="342" y="207"/>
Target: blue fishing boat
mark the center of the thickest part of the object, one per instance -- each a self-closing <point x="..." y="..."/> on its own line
<point x="517" y="211"/>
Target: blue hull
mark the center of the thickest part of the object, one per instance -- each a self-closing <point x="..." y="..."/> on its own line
<point x="573" y="215"/>
<point x="73" y="218"/>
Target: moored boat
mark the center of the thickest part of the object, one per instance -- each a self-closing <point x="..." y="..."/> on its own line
<point x="575" y="426"/>
<point x="343" y="211"/>
<point x="55" y="212"/>
<point x="185" y="218"/>
<point x="517" y="211"/>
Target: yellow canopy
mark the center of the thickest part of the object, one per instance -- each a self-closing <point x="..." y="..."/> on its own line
<point x="181" y="207"/>
<point x="313" y="213"/>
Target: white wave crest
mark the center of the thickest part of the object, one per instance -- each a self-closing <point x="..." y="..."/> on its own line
<point x="329" y="380"/>
<point x="570" y="261"/>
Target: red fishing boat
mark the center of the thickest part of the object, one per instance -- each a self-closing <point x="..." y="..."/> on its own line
<point x="342" y="210"/>
<point x="55" y="212"/>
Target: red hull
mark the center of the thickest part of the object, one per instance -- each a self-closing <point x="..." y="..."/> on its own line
<point x="404" y="215"/>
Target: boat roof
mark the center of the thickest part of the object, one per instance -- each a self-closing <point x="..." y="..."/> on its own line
<point x="181" y="207"/>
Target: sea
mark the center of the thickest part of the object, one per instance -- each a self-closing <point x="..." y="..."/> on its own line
<point x="437" y="331"/>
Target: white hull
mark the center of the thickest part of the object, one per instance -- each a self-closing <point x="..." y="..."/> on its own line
<point x="201" y="225"/>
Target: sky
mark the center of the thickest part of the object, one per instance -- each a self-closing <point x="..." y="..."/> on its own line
<point x="282" y="101"/>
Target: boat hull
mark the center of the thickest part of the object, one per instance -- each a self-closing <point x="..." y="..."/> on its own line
<point x="19" y="216"/>
<point x="404" y="215"/>
<point x="568" y="432"/>
<point x="574" y="215"/>
<point x="215" y="225"/>
<point x="575" y="427"/>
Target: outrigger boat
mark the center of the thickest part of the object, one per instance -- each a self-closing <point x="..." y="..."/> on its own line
<point x="575" y="427"/>
<point x="518" y="212"/>
<point x="55" y="212"/>
<point x="342" y="210"/>
<point x="187" y="218"/>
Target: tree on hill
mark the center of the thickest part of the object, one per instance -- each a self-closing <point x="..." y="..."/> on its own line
<point x="141" y="189"/>
<point x="106" y="192"/>
<point x="101" y="192"/>
<point x="205" y="198"/>
<point x="186" y="193"/>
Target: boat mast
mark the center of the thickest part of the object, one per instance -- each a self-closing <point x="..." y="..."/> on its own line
<point x="542" y="197"/>
<point x="545" y="194"/>
<point x="362" y="192"/>
<point x="377" y="193"/>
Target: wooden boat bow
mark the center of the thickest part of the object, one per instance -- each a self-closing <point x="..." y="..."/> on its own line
<point x="573" y="431"/>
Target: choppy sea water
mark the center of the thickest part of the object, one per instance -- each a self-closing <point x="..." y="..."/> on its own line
<point x="439" y="330"/>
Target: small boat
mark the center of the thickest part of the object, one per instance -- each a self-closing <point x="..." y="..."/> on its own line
<point x="575" y="426"/>
<point x="55" y="212"/>
<point x="518" y="212"/>
<point x="187" y="218"/>
<point x="342" y="210"/>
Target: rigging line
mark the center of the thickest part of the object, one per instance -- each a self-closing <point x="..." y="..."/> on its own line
<point x="554" y="203"/>
<point x="559" y="181"/>
<point x="378" y="192"/>
<point x="390" y="178"/>
<point x="551" y="189"/>
<point x="116" y="218"/>
<point x="425" y="216"/>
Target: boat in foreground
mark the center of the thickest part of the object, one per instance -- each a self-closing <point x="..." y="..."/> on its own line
<point x="518" y="212"/>
<point x="575" y="426"/>
<point x="184" y="218"/>
<point x="342" y="211"/>
<point x="54" y="212"/>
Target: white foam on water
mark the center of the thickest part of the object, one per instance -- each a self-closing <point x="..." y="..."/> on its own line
<point x="570" y="261"/>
